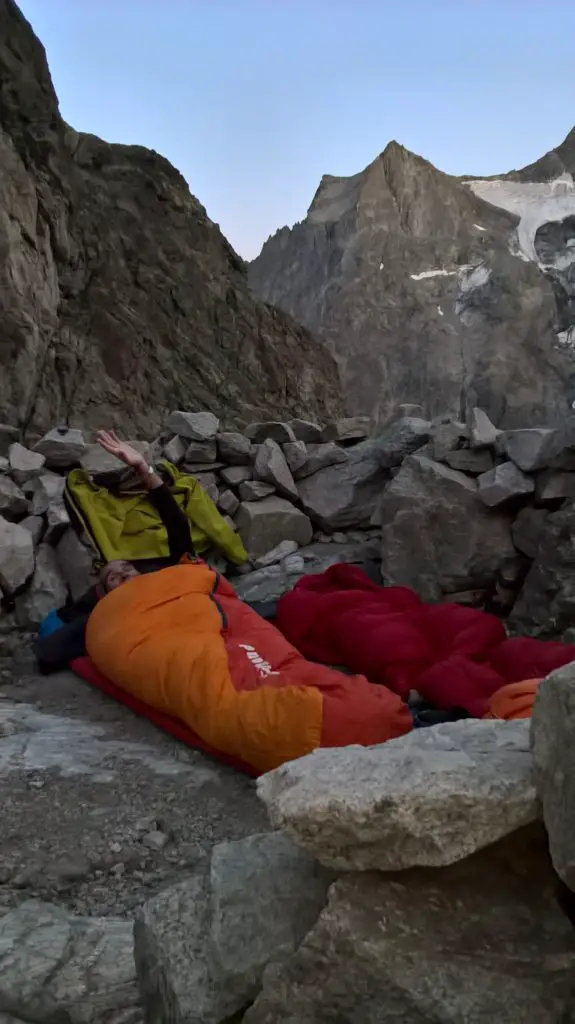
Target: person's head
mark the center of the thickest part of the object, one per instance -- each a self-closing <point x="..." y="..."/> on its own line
<point x="115" y="573"/>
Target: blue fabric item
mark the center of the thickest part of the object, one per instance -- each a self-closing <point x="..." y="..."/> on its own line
<point x="51" y="623"/>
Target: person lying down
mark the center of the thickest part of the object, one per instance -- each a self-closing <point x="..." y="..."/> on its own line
<point x="180" y="640"/>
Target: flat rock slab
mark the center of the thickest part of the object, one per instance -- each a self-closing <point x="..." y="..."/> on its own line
<point x="55" y="967"/>
<point x="483" y="940"/>
<point x="430" y="798"/>
<point x="84" y="781"/>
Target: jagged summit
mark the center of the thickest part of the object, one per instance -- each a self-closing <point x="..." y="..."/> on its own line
<point x="429" y="288"/>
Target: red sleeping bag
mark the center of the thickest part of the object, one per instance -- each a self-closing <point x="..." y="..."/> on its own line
<point x="453" y="656"/>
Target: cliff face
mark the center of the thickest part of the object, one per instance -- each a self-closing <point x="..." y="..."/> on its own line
<point x="430" y="289"/>
<point x="119" y="298"/>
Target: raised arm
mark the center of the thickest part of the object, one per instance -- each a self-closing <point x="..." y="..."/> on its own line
<point x="176" y="523"/>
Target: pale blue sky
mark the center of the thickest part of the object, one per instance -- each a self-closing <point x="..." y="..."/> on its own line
<point x="253" y="100"/>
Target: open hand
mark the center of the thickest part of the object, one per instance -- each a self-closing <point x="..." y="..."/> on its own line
<point x="111" y="443"/>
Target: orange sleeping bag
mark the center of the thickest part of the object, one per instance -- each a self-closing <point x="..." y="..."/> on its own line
<point x="181" y="641"/>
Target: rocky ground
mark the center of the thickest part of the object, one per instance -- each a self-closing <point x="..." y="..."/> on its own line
<point x="99" y="808"/>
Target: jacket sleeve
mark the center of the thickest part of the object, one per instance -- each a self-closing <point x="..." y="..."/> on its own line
<point x="176" y="522"/>
<point x="55" y="651"/>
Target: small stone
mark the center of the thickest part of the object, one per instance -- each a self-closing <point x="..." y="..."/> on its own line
<point x="255" y="490"/>
<point x="306" y="431"/>
<point x="201" y="452"/>
<point x="45" y="490"/>
<point x="36" y="784"/>
<point x="45" y="592"/>
<point x="24" y="464"/>
<point x="233" y="476"/>
<point x="16" y="554"/>
<point x="174" y="450"/>
<point x="155" y="840"/>
<point x="118" y="869"/>
<point x="551" y="486"/>
<point x="531" y="449"/>
<point x="527" y="530"/>
<point x="62" y="448"/>
<point x="264" y="524"/>
<point x="4" y="464"/>
<point x="271" y="467"/>
<point x="76" y="563"/>
<point x="293" y="565"/>
<point x="447" y="437"/>
<point x="234" y="449"/>
<point x="353" y="428"/>
<point x="470" y="460"/>
<point x="295" y="455"/>
<point x="339" y="538"/>
<point x="13" y="502"/>
<point x="481" y="430"/>
<point x="281" y="433"/>
<point x="35" y="525"/>
<point x="228" y="503"/>
<point x="503" y="483"/>
<point x="320" y="456"/>
<point x="195" y="426"/>
<point x="287" y="547"/>
<point x="115" y="847"/>
<point x="8" y="436"/>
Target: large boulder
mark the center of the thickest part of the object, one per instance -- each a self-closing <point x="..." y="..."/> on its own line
<point x="437" y="536"/>
<point x="346" y="495"/>
<point x="62" y="447"/>
<point x="553" y="741"/>
<point x="57" y="968"/>
<point x="46" y="591"/>
<point x="264" y="524"/>
<point x="271" y="467"/>
<point x="482" y="940"/>
<point x="546" y="605"/>
<point x="202" y="946"/>
<point x="429" y="798"/>
<point x="16" y="554"/>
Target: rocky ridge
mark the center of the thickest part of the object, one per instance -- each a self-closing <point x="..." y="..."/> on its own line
<point x="432" y="289"/>
<point x="119" y="298"/>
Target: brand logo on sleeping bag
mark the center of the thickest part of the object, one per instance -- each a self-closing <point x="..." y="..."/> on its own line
<point x="260" y="664"/>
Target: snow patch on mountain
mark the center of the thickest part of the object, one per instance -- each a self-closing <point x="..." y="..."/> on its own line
<point x="535" y="203"/>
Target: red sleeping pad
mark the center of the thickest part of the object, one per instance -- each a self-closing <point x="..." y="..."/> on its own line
<point x="86" y="669"/>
